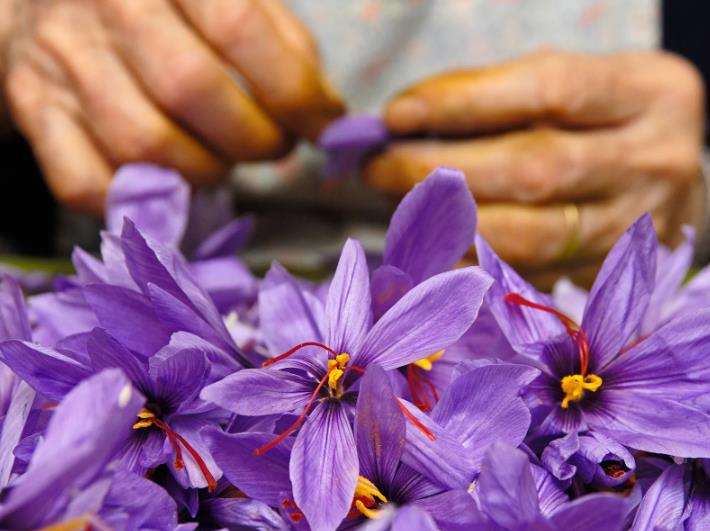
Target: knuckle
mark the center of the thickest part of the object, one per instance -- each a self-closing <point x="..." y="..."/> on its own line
<point x="190" y="77"/>
<point x="543" y="161"/>
<point x="144" y="141"/>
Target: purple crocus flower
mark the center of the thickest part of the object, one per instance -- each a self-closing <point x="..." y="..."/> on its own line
<point x="167" y="429"/>
<point x="510" y="495"/>
<point x="86" y="432"/>
<point x="348" y="141"/>
<point x="645" y="395"/>
<point x="157" y="200"/>
<point x="427" y="319"/>
<point x="386" y="490"/>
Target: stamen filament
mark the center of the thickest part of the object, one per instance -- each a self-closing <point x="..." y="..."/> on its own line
<point x="295" y="349"/>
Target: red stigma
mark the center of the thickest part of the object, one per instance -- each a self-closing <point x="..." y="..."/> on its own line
<point x="295" y="349"/>
<point x="411" y="418"/>
<point x="416" y="381"/>
<point x="572" y="328"/>
<point x="292" y="511"/>
<point x="176" y="440"/>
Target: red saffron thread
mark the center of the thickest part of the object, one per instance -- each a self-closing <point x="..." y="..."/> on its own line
<point x="572" y="328"/>
<point x="426" y="431"/>
<point x="175" y="440"/>
<point x="295" y="349"/>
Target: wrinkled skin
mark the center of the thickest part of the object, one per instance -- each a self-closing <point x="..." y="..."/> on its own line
<point x="617" y="134"/>
<point x="154" y="81"/>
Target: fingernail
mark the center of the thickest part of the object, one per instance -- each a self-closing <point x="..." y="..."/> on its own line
<point x="407" y="114"/>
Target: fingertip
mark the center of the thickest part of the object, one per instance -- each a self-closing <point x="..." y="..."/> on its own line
<point x="406" y="114"/>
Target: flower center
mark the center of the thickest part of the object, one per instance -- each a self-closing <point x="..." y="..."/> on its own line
<point x="573" y="387"/>
<point x="367" y="497"/>
<point x="422" y="390"/>
<point x="148" y="419"/>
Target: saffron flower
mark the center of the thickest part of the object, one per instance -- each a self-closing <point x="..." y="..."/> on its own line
<point x="645" y="394"/>
<point x="430" y="317"/>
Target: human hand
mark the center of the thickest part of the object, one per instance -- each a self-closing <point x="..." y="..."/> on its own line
<point x="616" y="135"/>
<point x="190" y="84"/>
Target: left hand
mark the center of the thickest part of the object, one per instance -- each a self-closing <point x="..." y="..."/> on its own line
<point x="617" y="135"/>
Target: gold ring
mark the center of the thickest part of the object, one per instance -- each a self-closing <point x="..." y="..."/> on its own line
<point x="572" y="222"/>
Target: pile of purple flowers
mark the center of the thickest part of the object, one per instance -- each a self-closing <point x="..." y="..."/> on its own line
<point x="163" y="386"/>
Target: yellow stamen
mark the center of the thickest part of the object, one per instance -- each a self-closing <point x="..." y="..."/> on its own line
<point x="144" y="414"/>
<point x="428" y="362"/>
<point x="367" y="496"/>
<point x="336" y="367"/>
<point x="75" y="524"/>
<point x="574" y="385"/>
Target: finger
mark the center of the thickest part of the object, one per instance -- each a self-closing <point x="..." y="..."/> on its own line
<point x="293" y="31"/>
<point x="538" y="236"/>
<point x="189" y="80"/>
<point x="289" y="85"/>
<point x="531" y="166"/>
<point x="74" y="169"/>
<point x="125" y="123"/>
<point x="565" y="89"/>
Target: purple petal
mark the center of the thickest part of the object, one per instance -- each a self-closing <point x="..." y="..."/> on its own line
<point x="557" y="454"/>
<point x="85" y="432"/>
<point x="263" y="477"/>
<point x="663" y="504"/>
<point x="595" y="451"/>
<point x="520" y="325"/>
<point x="241" y="513"/>
<point x="89" y="269"/>
<point x="671" y="270"/>
<point x="179" y="377"/>
<point x="324" y="467"/>
<point x="444" y="460"/>
<point x="22" y="398"/>
<point x="429" y="318"/>
<point x="593" y="512"/>
<point x="483" y="406"/>
<point x="570" y="299"/>
<point x="49" y="372"/>
<point x="190" y="427"/>
<point x="433" y="226"/>
<point x="61" y="314"/>
<point x="621" y="292"/>
<point x="227" y="281"/>
<point x="388" y="285"/>
<point x="348" y="308"/>
<point x="122" y="311"/>
<point x="260" y="392"/>
<point x="379" y="428"/>
<point x="105" y="352"/>
<point x="156" y="199"/>
<point x="288" y="316"/>
<point x="454" y="510"/>
<point x="413" y="518"/>
<point x="348" y="141"/>
<point x="227" y="240"/>
<point x="14" y="323"/>
<point x="507" y="488"/>
<point x="134" y="502"/>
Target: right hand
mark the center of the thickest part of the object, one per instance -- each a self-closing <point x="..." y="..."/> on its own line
<point x="93" y="84"/>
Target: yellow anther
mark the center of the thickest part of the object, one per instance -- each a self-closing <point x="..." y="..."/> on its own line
<point x="144" y="414"/>
<point x="75" y="524"/>
<point x="574" y="385"/>
<point x="428" y="362"/>
<point x="336" y="367"/>
<point x="367" y="496"/>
